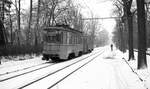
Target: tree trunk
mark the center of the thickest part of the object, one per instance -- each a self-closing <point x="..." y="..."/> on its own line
<point x="2" y="34"/>
<point x="18" y="32"/>
<point x="121" y="37"/>
<point x="11" y="29"/>
<point x="29" y="25"/>
<point x="130" y="27"/>
<point x="142" y="62"/>
<point x="129" y="15"/>
<point x="37" y="23"/>
<point x="3" y="16"/>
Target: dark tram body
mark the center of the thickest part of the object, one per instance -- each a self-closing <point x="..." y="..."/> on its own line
<point x="61" y="42"/>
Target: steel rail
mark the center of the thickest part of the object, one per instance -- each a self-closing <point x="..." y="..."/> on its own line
<point x="20" y="69"/>
<point x="74" y="71"/>
<point x="17" y="75"/>
<point x="55" y="71"/>
<point x="25" y="73"/>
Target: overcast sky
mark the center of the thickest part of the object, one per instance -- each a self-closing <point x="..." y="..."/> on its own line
<point x="101" y="9"/>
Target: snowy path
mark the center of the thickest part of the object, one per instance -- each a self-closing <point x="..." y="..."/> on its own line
<point x="103" y="73"/>
<point x="50" y="81"/>
<point x="144" y="74"/>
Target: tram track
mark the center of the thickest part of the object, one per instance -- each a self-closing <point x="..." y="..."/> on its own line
<point x="20" y="69"/>
<point x="66" y="67"/>
<point x="28" y="84"/>
<point x="74" y="71"/>
<point x="40" y="78"/>
<point x="20" y="74"/>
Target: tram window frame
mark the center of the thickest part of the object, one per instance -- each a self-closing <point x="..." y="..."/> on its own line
<point x="78" y="39"/>
<point x="64" y="37"/>
<point x="71" y="38"/>
<point x="75" y="39"/>
<point x="68" y="37"/>
<point x="56" y="38"/>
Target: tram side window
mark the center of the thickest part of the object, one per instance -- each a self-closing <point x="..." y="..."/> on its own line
<point x="58" y="38"/>
<point x="54" y="37"/>
<point x="80" y="40"/>
<point x="70" y="38"/>
<point x="64" y="37"/>
<point x="73" y="39"/>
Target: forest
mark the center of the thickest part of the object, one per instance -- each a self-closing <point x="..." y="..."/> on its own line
<point x="132" y="30"/>
<point x="23" y="27"/>
<point x="121" y="33"/>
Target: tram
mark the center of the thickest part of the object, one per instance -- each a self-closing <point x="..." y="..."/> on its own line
<point x="63" y="42"/>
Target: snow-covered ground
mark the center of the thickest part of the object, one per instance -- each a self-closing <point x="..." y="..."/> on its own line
<point x="13" y="65"/>
<point x="108" y="71"/>
<point x="144" y="74"/>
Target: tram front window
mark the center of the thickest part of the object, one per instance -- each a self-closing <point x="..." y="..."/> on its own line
<point x="53" y="37"/>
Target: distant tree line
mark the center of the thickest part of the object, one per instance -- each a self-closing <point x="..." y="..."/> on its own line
<point x="23" y="27"/>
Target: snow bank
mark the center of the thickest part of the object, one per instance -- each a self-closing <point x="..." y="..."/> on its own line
<point x="144" y="74"/>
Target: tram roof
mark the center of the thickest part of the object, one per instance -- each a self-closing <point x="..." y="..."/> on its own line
<point x="62" y="29"/>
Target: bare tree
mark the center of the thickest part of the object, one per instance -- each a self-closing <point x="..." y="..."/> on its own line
<point x="37" y="22"/>
<point x="18" y="9"/>
<point x="120" y="27"/>
<point x="49" y="8"/>
<point x="11" y="29"/>
<point x="142" y="63"/>
<point x="128" y="15"/>
<point x="29" y="24"/>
